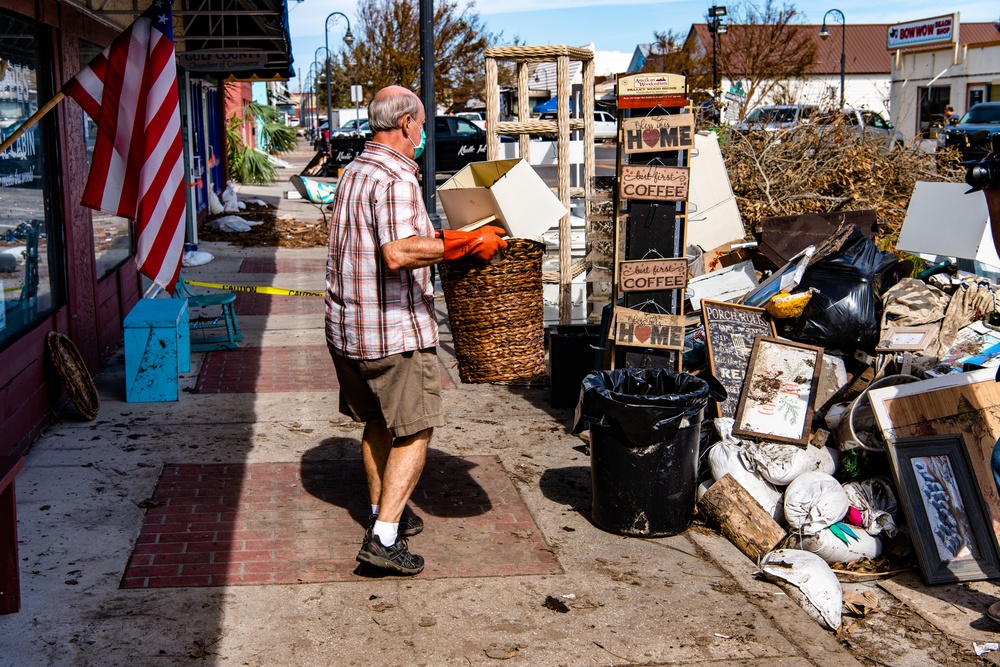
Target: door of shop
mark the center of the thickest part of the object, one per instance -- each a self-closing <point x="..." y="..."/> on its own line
<point x="933" y="100"/>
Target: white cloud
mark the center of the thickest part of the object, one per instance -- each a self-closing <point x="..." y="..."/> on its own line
<point x="607" y="63"/>
<point x="486" y="7"/>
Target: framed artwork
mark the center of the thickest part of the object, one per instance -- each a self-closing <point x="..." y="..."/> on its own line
<point x="948" y="523"/>
<point x="967" y="404"/>
<point x="730" y="330"/>
<point x="904" y="339"/>
<point x="777" y="399"/>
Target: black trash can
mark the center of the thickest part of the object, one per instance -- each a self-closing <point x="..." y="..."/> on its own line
<point x="572" y="356"/>
<point x="645" y="426"/>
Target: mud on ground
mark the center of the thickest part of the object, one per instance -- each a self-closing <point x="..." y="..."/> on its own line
<point x="275" y="230"/>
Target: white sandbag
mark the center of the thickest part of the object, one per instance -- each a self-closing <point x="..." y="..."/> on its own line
<point x="229" y="223"/>
<point x="876" y="501"/>
<point x="832" y="549"/>
<point x="724" y="458"/>
<point x="809" y="581"/>
<point x="255" y="202"/>
<point x="779" y="463"/>
<point x="196" y="258"/>
<point x="814" y="501"/>
<point x="214" y="204"/>
<point x="230" y="202"/>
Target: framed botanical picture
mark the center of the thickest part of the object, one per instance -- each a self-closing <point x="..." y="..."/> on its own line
<point x="948" y="523"/>
<point x="778" y="392"/>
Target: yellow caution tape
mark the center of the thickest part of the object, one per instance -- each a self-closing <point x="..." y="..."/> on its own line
<point x="259" y="289"/>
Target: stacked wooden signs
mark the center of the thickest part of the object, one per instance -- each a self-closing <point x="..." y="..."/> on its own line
<point x="653" y="180"/>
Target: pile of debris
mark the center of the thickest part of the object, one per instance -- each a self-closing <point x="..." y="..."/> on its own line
<point x="816" y="169"/>
<point x="829" y="348"/>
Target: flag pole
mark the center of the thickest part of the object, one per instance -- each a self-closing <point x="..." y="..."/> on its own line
<point x="32" y="121"/>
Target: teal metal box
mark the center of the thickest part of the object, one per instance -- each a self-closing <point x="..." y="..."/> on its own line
<point x="157" y="348"/>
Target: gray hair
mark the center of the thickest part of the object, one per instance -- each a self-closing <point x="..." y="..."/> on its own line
<point x="388" y="107"/>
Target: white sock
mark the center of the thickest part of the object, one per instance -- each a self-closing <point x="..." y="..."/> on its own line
<point x="387" y="532"/>
<point x="375" y="510"/>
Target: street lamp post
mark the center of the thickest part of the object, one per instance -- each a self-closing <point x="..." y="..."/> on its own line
<point x="348" y="39"/>
<point x="825" y="33"/>
<point x="717" y="27"/>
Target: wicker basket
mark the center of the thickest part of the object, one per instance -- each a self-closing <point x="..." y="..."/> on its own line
<point x="496" y="314"/>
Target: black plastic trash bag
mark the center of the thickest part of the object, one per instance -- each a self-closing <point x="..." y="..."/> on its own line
<point x="644" y="438"/>
<point x="648" y="404"/>
<point x="846" y="307"/>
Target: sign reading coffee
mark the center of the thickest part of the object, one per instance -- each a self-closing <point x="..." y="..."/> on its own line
<point x="653" y="182"/>
<point x="650" y="275"/>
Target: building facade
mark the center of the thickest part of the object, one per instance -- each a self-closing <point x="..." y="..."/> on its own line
<point x="926" y="79"/>
<point x="63" y="267"/>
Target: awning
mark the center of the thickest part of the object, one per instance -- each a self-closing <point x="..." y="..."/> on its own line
<point x="231" y="40"/>
<point x="550" y="105"/>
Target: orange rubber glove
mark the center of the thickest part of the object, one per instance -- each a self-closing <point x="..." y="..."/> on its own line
<point x="482" y="243"/>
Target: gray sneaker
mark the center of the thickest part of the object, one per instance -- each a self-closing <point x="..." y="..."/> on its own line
<point x="396" y="558"/>
<point x="409" y="524"/>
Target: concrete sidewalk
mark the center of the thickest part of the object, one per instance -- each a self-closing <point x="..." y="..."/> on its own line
<point x="223" y="527"/>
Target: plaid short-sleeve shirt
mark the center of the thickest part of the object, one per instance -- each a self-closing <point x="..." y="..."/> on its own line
<point x="372" y="311"/>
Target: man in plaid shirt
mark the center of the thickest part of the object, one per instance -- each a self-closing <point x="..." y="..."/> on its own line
<point x="380" y="322"/>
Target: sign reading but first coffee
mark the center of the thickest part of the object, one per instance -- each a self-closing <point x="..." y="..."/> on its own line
<point x="653" y="182"/>
<point x="659" y="133"/>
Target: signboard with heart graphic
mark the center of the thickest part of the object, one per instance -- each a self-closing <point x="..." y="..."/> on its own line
<point x="659" y="133"/>
<point x="638" y="329"/>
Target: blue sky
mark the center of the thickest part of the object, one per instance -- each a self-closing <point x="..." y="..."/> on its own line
<point x="613" y="26"/>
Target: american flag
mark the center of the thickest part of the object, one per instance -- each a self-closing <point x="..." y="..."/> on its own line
<point x="130" y="91"/>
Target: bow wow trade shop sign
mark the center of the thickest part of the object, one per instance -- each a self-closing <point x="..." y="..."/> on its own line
<point x="651" y="182"/>
<point x="638" y="329"/>
<point x="650" y="275"/>
<point x="659" y="133"/>
<point x="221" y="60"/>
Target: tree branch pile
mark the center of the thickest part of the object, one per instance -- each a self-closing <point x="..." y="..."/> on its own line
<point x="815" y="169"/>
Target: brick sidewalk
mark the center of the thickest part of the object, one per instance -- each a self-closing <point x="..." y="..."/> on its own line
<point x="283" y="523"/>
<point x="261" y="370"/>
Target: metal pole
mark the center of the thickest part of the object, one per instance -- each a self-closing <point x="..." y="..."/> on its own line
<point x="843" y="38"/>
<point x="348" y="39"/>
<point x="427" y="98"/>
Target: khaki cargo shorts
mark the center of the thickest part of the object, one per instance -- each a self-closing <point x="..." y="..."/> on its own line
<point x="403" y="389"/>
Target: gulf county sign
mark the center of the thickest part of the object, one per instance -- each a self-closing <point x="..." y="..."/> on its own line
<point x="938" y="30"/>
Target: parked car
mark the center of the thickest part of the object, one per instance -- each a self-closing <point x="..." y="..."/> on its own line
<point x="478" y="118"/>
<point x="863" y="121"/>
<point x="605" y="125"/>
<point x="457" y="143"/>
<point x="353" y="126"/>
<point x="777" y="117"/>
<point x="972" y="134"/>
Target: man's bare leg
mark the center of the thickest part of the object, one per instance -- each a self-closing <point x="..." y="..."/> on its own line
<point x="401" y="473"/>
<point x="376" y="442"/>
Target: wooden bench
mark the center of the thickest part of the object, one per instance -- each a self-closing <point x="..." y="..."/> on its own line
<point x="10" y="582"/>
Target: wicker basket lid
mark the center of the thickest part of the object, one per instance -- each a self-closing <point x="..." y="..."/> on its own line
<point x="74" y="374"/>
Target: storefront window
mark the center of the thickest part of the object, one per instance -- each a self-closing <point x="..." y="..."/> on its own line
<point x="31" y="264"/>
<point x="112" y="234"/>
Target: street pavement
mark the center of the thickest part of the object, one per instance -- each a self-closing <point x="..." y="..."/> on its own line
<point x="221" y="528"/>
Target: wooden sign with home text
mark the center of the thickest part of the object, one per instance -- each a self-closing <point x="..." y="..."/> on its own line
<point x="658" y="133"/>
<point x="638" y="329"/>
<point x="652" y="182"/>
<point x="652" y="275"/>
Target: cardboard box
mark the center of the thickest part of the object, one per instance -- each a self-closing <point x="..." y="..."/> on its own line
<point x="509" y="189"/>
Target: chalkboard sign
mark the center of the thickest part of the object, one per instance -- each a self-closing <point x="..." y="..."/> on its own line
<point x="730" y="330"/>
